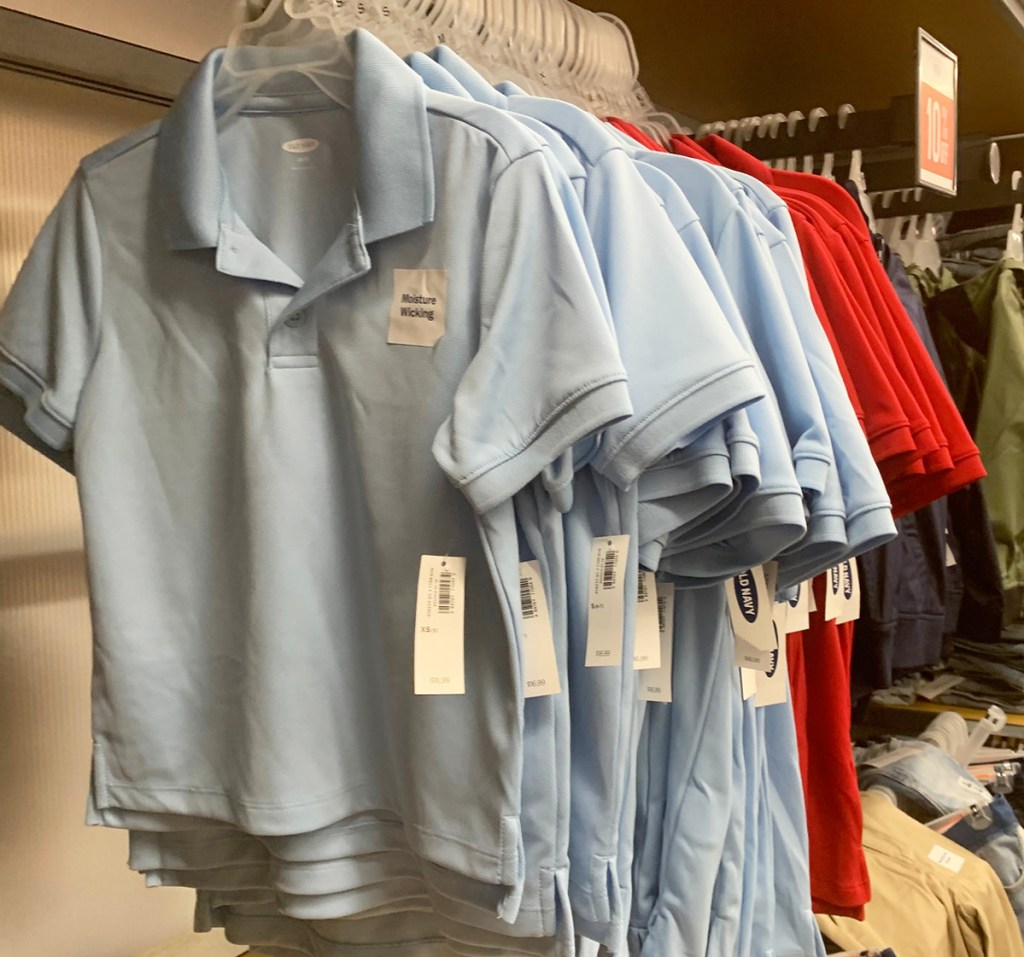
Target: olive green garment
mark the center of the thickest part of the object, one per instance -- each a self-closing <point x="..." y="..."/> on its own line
<point x="987" y="315"/>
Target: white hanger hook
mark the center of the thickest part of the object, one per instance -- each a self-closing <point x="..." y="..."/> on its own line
<point x="791" y="122"/>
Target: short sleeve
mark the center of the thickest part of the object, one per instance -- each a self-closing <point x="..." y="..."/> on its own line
<point x="547" y="371"/>
<point x="48" y="326"/>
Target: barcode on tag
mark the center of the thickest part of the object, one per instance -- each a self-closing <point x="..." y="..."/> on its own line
<point x="445" y="593"/>
<point x="647" y="638"/>
<point x="540" y="665"/>
<point x="609" y="569"/>
<point x="947" y="859"/>
<point x="528" y="597"/>
<point x="655" y="684"/>
<point x="607" y="601"/>
<point x="438" y="650"/>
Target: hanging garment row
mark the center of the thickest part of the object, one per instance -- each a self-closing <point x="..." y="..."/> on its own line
<point x="443" y="452"/>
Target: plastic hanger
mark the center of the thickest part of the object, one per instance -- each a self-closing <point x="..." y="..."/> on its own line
<point x="1015" y="240"/>
<point x="817" y="114"/>
<point x="246" y="67"/>
<point x="924" y="250"/>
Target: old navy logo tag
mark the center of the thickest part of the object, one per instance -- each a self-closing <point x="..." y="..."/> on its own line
<point x="750" y="609"/>
<point x="418" y="308"/>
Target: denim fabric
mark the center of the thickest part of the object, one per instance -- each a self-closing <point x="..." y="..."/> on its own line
<point x="928" y="783"/>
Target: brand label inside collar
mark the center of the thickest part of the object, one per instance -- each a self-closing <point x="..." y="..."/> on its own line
<point x="305" y="145"/>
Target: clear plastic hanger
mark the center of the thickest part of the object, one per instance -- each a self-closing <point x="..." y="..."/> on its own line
<point x="1015" y="238"/>
<point x="246" y="67"/>
<point x="924" y="250"/>
<point x="817" y="114"/>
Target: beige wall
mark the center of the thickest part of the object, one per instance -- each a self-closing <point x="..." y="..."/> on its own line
<point x="65" y="889"/>
<point x="186" y="28"/>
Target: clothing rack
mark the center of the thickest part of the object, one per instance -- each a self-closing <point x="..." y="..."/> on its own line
<point x="559" y="36"/>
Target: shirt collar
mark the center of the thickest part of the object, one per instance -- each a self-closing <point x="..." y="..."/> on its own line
<point x="396" y="175"/>
<point x="474" y="84"/>
<point x="583" y="130"/>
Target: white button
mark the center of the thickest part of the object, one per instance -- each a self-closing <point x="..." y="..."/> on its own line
<point x="295" y="320"/>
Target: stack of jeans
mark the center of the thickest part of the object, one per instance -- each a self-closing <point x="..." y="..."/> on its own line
<point x="927" y="783"/>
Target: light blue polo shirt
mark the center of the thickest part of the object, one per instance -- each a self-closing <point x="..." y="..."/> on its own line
<point x="749" y="543"/>
<point x="677" y="394"/>
<point x="868" y="512"/>
<point x="205" y="319"/>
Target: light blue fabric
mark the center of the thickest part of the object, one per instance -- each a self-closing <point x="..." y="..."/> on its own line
<point x="749" y="543"/>
<point x="868" y="514"/>
<point x="209" y="328"/>
<point x="679" y="394"/>
<point x="698" y="773"/>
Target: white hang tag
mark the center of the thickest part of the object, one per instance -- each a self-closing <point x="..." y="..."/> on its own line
<point x="950" y="557"/>
<point x="833" y="592"/>
<point x="417" y="315"/>
<point x="754" y="659"/>
<point x="773" y="684"/>
<point x="438" y="659"/>
<point x="647" y="642"/>
<point x="607" y="606"/>
<point x="540" y="666"/>
<point x="771" y="579"/>
<point x="798" y="615"/>
<point x="812" y="602"/>
<point x="947" y="859"/>
<point x="656" y="683"/>
<point x="849" y="582"/>
<point x="748" y="683"/>
<point x="750" y="609"/>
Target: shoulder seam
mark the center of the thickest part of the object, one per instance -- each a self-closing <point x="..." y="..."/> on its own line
<point x="536" y="147"/>
<point x="119" y="147"/>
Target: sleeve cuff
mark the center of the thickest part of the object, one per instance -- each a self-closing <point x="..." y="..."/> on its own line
<point x="43" y="421"/>
<point x="623" y="458"/>
<point x="602" y="404"/>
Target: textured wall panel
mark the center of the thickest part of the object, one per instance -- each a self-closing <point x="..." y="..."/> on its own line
<point x="65" y="890"/>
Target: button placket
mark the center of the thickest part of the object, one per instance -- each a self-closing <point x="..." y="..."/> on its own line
<point x="295" y="338"/>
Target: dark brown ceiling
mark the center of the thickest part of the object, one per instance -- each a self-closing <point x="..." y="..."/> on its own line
<point x="735" y="58"/>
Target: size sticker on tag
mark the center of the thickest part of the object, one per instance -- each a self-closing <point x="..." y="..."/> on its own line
<point x="750" y="609"/>
<point x="849" y="589"/>
<point x="833" y="592"/>
<point x="947" y="859"/>
<point x="799" y="613"/>
<point x="656" y="683"/>
<point x="748" y="683"/>
<point x="607" y="603"/>
<point x="647" y="641"/>
<point x="773" y="684"/>
<point x="540" y="666"/>
<point x="438" y="658"/>
<point x="418" y="307"/>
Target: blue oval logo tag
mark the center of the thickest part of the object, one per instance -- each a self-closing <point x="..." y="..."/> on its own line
<point x="847" y="581"/>
<point x="833" y="577"/>
<point x="746" y="595"/>
<point x="795" y="600"/>
<point x="774" y="655"/>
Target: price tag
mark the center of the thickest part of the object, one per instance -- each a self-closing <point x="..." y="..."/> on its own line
<point x="656" y="683"/>
<point x="748" y="683"/>
<point x="605" y="617"/>
<point x="540" y="666"/>
<point x="799" y="613"/>
<point x="849" y="582"/>
<point x="750" y="609"/>
<point x="438" y="660"/>
<point x="947" y="859"/>
<point x="647" y="642"/>
<point x="937" y="76"/>
<point x="950" y="557"/>
<point x="773" y="684"/>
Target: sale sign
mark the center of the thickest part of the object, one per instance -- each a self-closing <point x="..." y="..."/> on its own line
<point x="937" y="71"/>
